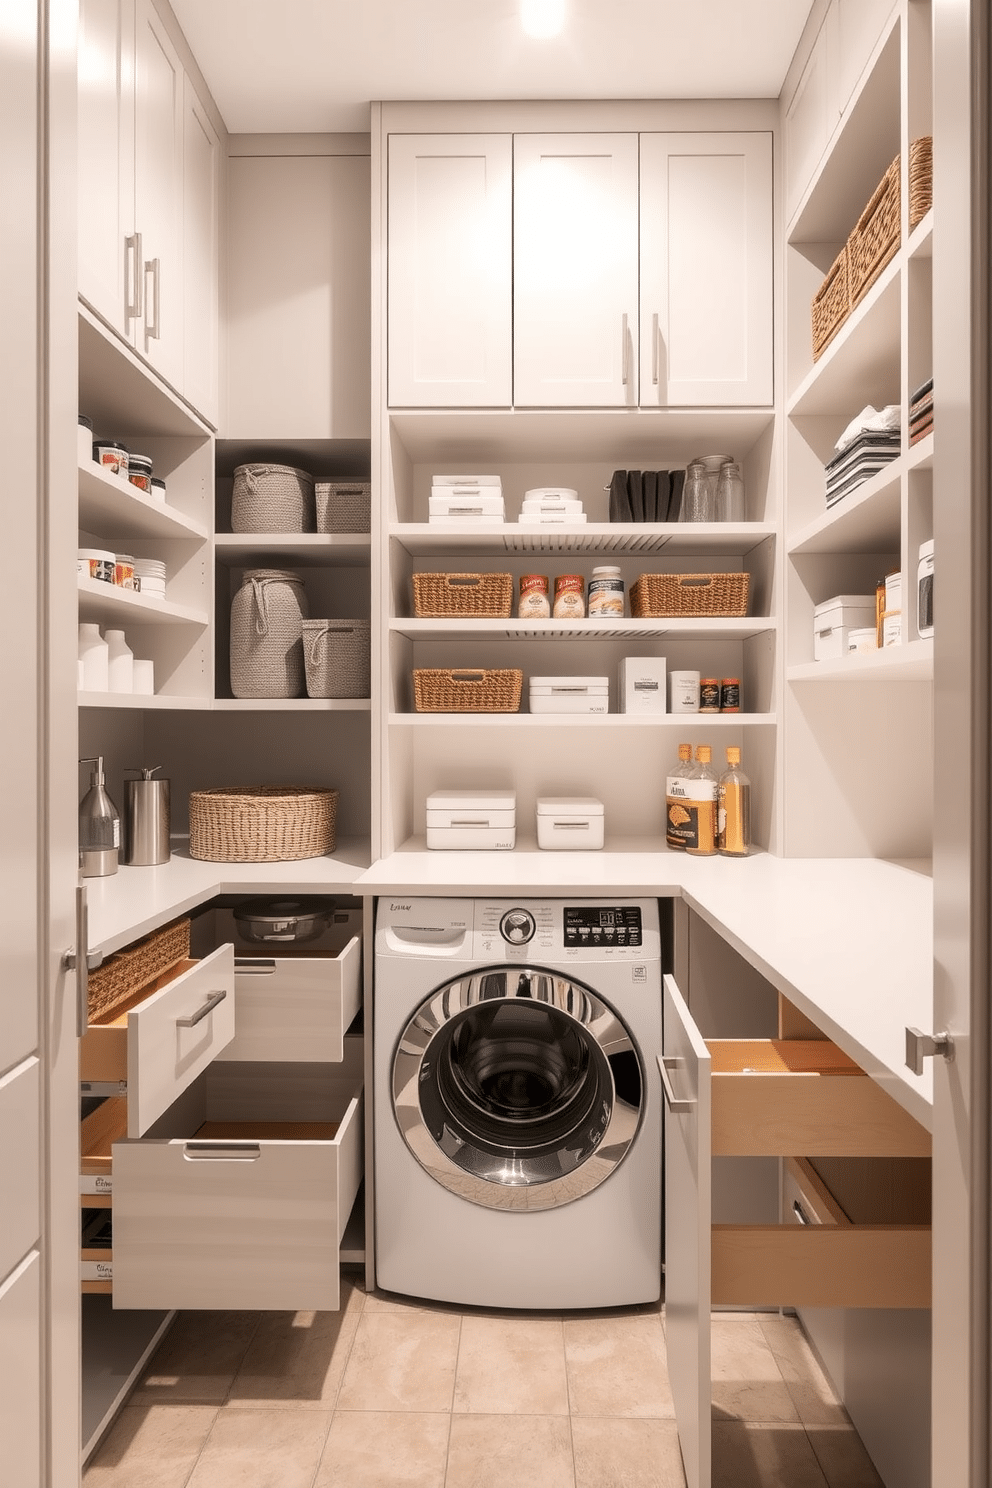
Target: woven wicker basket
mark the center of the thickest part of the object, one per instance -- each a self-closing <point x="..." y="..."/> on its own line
<point x="831" y="304"/>
<point x="272" y="498"/>
<point x="344" y="506"/>
<point x="875" y="236"/>
<point x="266" y="647"/>
<point x="124" y="974"/>
<point x="462" y="690"/>
<point x="485" y="595"/>
<point x="262" y="823"/>
<point x="337" y="654"/>
<point x="920" y="179"/>
<point x="667" y="596"/>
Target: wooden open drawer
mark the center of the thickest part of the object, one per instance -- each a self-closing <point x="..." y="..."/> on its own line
<point x="296" y="1007"/>
<point x="733" y="1098"/>
<point x="96" y="1261"/>
<point x="155" y="1046"/>
<point x="240" y="1195"/>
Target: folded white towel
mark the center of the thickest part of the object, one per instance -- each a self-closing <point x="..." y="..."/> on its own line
<point x="870" y="419"/>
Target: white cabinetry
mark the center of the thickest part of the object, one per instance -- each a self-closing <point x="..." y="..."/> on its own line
<point x="109" y="271"/>
<point x="201" y="254"/>
<point x="158" y="191"/>
<point x="450" y="270"/>
<point x="706" y="270"/>
<point x="575" y="270"/>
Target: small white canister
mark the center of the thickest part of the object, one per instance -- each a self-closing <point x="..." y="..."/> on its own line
<point x="861" y="642"/>
<point x="924" y="584"/>
<point x="684" y="692"/>
<point x="606" y="593"/>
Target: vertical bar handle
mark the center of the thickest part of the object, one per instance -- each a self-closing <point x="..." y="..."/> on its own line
<point x="82" y="961"/>
<point x="133" y="279"/>
<point x="654" y="348"/>
<point x="624" y="364"/>
<point x="153" y="324"/>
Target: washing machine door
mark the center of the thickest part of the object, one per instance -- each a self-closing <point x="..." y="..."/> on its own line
<point x="517" y="1088"/>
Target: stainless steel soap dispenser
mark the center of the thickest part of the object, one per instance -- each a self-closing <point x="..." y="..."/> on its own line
<point x="99" y="826"/>
<point x="146" y="819"/>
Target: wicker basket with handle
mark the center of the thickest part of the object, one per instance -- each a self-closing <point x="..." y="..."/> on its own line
<point x="668" y="596"/>
<point x="487" y="596"/>
<point x="875" y="236"/>
<point x="127" y="971"/>
<point x="831" y="304"/>
<point x="338" y="658"/>
<point x="262" y="823"/>
<point x="344" y="506"/>
<point x="462" y="690"/>
<point x="272" y="498"/>
<point x="266" y="646"/>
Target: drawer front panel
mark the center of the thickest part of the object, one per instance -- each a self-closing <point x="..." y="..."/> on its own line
<point x="821" y="1266"/>
<point x="295" y="1009"/>
<point x="20" y="1113"/>
<point x="234" y="1224"/>
<point x="21" y="1373"/>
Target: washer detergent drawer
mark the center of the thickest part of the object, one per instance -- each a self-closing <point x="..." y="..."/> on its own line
<point x="244" y="1212"/>
<point x="295" y="1008"/>
<point x="157" y="1046"/>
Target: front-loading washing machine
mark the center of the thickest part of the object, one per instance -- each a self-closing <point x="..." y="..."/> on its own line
<point x="517" y="1101"/>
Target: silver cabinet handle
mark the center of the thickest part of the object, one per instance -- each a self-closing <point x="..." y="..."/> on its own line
<point x="623" y="351"/>
<point x="80" y="959"/>
<point x="212" y="1001"/>
<point x="920" y="1046"/>
<point x="677" y="1106"/>
<point x="153" y="324"/>
<point x="221" y="1152"/>
<point x="654" y="348"/>
<point x="133" y="278"/>
<point x="253" y="966"/>
<point x="800" y="1212"/>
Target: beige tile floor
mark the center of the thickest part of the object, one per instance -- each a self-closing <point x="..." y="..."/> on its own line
<point x="391" y="1393"/>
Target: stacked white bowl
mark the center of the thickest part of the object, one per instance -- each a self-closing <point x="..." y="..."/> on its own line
<point x="151" y="573"/>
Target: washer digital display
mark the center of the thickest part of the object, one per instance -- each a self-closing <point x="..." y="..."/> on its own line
<point x="617" y="926"/>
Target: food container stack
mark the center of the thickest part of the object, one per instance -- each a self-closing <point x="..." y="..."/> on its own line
<point x="569" y="694"/>
<point x="473" y="499"/>
<point x="551" y="506"/>
<point x="835" y="618"/>
<point x="479" y="819"/>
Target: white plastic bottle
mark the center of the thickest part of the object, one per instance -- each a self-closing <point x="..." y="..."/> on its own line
<point x="121" y="662"/>
<point x="93" y="657"/>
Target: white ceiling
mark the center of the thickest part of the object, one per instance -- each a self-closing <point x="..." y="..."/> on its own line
<point x="304" y="66"/>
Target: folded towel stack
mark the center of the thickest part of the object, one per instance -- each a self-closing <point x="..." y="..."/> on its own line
<point x="866" y="446"/>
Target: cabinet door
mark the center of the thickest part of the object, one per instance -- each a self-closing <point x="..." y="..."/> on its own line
<point x="449" y="277"/>
<point x="706" y="269"/>
<point x="809" y="118"/>
<point x="158" y="190"/>
<point x="109" y="273"/>
<point x="201" y="215"/>
<point x="685" y="1069"/>
<point x="575" y="270"/>
<point x="297" y="297"/>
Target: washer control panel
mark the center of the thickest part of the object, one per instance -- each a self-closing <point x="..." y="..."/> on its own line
<point x="602" y="926"/>
<point x="517" y="926"/>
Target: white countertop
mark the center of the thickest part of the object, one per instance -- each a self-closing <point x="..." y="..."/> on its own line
<point x="848" y="940"/>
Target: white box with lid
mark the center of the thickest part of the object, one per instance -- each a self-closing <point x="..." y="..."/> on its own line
<point x="480" y="820"/>
<point x="570" y="823"/>
<point x="569" y="694"/>
<point x="834" y="618"/>
<point x="642" y="684"/>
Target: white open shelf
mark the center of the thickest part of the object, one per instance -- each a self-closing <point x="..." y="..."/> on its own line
<point x="108" y="503"/>
<point x="309" y="549"/>
<point x="141" y="700"/>
<point x="862" y="355"/>
<point x="584" y="720"/>
<point x="292" y="705"/>
<point x="912" y="662"/>
<point x="469" y="629"/>
<point x="101" y="602"/>
<point x="719" y="539"/>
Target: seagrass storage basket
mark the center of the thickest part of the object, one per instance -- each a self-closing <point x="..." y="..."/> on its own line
<point x="920" y="179"/>
<point x="262" y="823"/>
<point x="344" y="506"/>
<point x="337" y="655"/>
<point x="875" y="236"/>
<point x="462" y="690"/>
<point x="669" y="596"/>
<point x="125" y="973"/>
<point x="831" y="304"/>
<point x="272" y="498"/>
<point x="487" y="596"/>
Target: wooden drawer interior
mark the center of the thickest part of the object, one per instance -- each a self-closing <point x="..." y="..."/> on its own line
<point x="96" y="1256"/>
<point x="98" y="1132"/>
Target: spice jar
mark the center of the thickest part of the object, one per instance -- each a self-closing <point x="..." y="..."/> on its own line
<point x="730" y="695"/>
<point x="570" y="601"/>
<point x="709" y="694"/>
<point x="606" y="592"/>
<point x="534" y="603"/>
<point x="124" y="571"/>
<point x="112" y="455"/>
<point x="139" y="471"/>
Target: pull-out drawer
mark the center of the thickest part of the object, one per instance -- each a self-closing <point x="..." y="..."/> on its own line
<point x="240" y="1196"/>
<point x="296" y="1008"/>
<point x="97" y="1135"/>
<point x="96" y="1258"/>
<point x="155" y="1047"/>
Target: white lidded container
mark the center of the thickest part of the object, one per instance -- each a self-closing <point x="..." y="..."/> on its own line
<point x="924" y="589"/>
<point x="834" y="618"/>
<point x="455" y="502"/>
<point x="569" y="694"/>
<point x="862" y="642"/>
<point x="642" y="684"/>
<point x="480" y="819"/>
<point x="570" y="823"/>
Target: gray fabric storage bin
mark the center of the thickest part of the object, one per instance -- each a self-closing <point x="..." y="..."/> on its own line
<point x="272" y="498"/>
<point x="344" y="506"/>
<point x="338" y="658"/>
<point x="267" y="615"/>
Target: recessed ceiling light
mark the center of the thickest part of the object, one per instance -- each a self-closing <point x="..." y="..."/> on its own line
<point x="542" y="18"/>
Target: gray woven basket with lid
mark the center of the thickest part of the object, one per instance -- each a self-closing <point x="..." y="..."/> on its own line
<point x="267" y="615"/>
<point x="337" y="656"/>
<point x="272" y="498"/>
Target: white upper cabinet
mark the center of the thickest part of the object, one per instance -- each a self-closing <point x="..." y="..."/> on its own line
<point x="575" y="270"/>
<point x="706" y="270"/>
<point x="450" y="280"/>
<point x="108" y="267"/>
<point x="158" y="190"/>
<point x="201" y="217"/>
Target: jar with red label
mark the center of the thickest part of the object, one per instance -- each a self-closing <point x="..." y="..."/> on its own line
<point x="139" y="471"/>
<point x="534" y="603"/>
<point x="570" y="603"/>
<point x="709" y="694"/>
<point x="112" y="455"/>
<point x="730" y="695"/>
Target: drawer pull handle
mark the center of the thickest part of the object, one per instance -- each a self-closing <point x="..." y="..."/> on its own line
<point x="920" y="1046"/>
<point x="244" y="966"/>
<point x="800" y="1213"/>
<point x="212" y="1001"/>
<point x="677" y="1106"/>
<point x="222" y="1152"/>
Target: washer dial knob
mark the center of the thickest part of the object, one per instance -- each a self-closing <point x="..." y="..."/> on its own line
<point x="517" y="926"/>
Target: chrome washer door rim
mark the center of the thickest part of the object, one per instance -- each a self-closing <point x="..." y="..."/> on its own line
<point x="478" y="1171"/>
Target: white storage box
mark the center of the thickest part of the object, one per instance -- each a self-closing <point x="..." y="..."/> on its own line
<point x="551" y="496"/>
<point x="478" y="820"/>
<point x="642" y="684"/>
<point x="834" y="618"/>
<point x="552" y="518"/>
<point x="570" y="823"/>
<point x="466" y="506"/>
<point x="569" y="694"/>
<point x="468" y="480"/>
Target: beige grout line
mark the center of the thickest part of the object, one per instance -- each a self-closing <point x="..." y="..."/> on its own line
<point x="451" y="1407"/>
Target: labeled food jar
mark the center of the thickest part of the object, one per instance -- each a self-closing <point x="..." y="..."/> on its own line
<point x="112" y="455"/>
<point x="860" y="642"/>
<point x="730" y="695"/>
<point x="534" y="603"/>
<point x="96" y="563"/>
<point x="124" y="571"/>
<point x="709" y="694"/>
<point x="924" y="581"/>
<point x="570" y="601"/>
<point x="606" y="592"/>
<point x="684" y="692"/>
<point x="157" y="488"/>
<point x="139" y="471"/>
